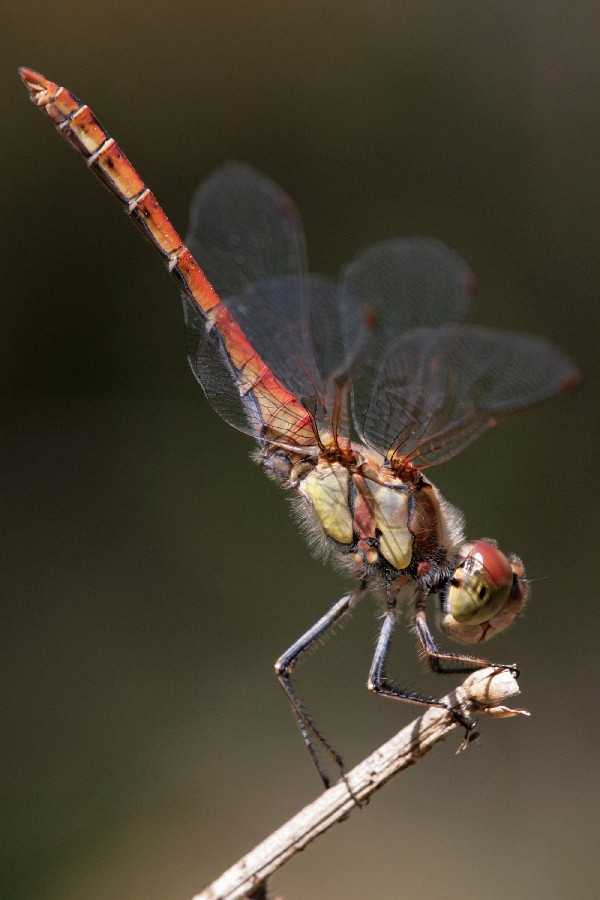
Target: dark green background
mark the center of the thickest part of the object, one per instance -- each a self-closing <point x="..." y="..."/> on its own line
<point x="151" y="574"/>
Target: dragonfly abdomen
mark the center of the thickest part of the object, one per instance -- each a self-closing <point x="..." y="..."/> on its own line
<point x="272" y="409"/>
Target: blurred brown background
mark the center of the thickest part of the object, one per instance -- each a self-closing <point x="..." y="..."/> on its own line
<point x="151" y="574"/>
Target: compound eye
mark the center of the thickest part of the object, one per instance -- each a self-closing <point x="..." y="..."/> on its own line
<point x="481" y="584"/>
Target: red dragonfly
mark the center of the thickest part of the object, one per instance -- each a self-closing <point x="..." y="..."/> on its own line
<point x="351" y="390"/>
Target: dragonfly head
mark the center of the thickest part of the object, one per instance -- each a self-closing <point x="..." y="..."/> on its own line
<point x="486" y="592"/>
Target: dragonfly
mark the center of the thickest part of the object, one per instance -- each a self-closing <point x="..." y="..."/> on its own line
<point x="352" y="389"/>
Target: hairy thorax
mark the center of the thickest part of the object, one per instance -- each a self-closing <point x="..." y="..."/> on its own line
<point x="386" y="524"/>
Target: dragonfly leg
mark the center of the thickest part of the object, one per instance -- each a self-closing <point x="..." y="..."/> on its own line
<point x="378" y="682"/>
<point x="449" y="663"/>
<point x="283" y="669"/>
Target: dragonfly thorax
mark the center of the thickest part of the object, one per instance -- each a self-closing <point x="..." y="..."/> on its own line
<point x="371" y="517"/>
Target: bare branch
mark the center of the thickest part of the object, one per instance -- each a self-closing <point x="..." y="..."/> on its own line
<point x="482" y="691"/>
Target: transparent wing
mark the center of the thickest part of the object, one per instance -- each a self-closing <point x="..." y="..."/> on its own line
<point x="247" y="235"/>
<point x="423" y="386"/>
<point x="210" y="368"/>
<point x="392" y="287"/>
<point x="282" y="329"/>
<point x="438" y="389"/>
<point x="244" y="229"/>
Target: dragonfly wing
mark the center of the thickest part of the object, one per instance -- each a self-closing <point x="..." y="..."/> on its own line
<point x="244" y="229"/>
<point x="211" y="370"/>
<point x="283" y="329"/>
<point x="248" y="236"/>
<point x="392" y="287"/>
<point x="438" y="389"/>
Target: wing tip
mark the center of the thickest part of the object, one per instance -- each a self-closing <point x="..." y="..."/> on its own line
<point x="571" y="382"/>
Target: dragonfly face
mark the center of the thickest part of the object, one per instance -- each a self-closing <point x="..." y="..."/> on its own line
<point x="485" y="593"/>
<point x="352" y="390"/>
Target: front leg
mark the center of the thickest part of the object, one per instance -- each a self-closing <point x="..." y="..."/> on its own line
<point x="448" y="663"/>
<point x="378" y="682"/>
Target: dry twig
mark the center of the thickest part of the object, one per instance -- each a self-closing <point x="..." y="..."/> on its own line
<point x="482" y="691"/>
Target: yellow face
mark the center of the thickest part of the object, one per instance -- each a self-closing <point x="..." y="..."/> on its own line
<point x="485" y="594"/>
